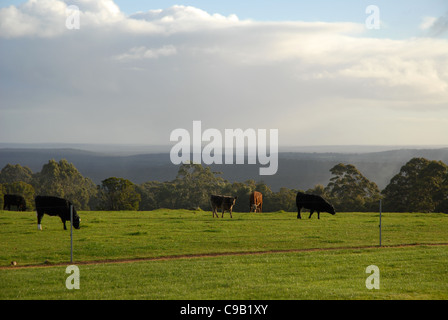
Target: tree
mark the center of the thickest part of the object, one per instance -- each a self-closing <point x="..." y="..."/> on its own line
<point x="167" y="195"/>
<point x="284" y="199"/>
<point x="420" y="186"/>
<point x="264" y="189"/>
<point x="62" y="179"/>
<point x="13" y="173"/>
<point x="118" y="194"/>
<point x="318" y="190"/>
<point x="349" y="190"/>
<point x="194" y="184"/>
<point x="155" y="195"/>
<point x="148" y="191"/>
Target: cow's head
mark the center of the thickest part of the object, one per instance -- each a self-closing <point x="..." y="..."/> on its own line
<point x="76" y="220"/>
<point x="331" y="210"/>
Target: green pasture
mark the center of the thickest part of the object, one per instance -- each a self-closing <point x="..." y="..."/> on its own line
<point x="408" y="272"/>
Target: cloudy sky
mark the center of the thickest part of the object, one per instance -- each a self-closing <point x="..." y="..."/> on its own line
<point x="136" y="70"/>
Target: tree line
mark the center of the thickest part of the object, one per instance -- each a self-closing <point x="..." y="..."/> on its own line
<point x="420" y="186"/>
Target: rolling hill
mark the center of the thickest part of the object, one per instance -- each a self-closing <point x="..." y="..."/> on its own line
<point x="298" y="170"/>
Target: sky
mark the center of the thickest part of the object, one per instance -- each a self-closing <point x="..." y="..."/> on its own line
<point x="132" y="72"/>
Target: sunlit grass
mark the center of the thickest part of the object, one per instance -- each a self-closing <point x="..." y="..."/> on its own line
<point x="123" y="235"/>
<point x="419" y="272"/>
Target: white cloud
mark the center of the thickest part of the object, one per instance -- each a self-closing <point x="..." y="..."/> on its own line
<point x="140" y="76"/>
<point x="435" y="27"/>
<point x="184" y="15"/>
<point x="427" y="22"/>
<point x="46" y="18"/>
<point x="32" y="18"/>
<point x="137" y="53"/>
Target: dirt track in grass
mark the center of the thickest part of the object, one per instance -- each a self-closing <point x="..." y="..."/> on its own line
<point x="209" y="255"/>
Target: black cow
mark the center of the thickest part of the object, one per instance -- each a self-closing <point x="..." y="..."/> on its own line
<point x="54" y="206"/>
<point x="314" y="203"/>
<point x="222" y="202"/>
<point x="14" y="200"/>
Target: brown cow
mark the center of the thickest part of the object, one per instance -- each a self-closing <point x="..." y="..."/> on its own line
<point x="222" y="202"/>
<point x="256" y="201"/>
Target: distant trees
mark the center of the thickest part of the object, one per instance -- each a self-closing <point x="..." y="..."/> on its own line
<point x="13" y="173"/>
<point x="191" y="189"/>
<point x="116" y="194"/>
<point x="284" y="199"/>
<point x="62" y="179"/>
<point x="155" y="194"/>
<point x="349" y="190"/>
<point x="420" y="186"/>
<point x="194" y="184"/>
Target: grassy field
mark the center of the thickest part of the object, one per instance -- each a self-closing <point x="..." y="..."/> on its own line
<point x="348" y="242"/>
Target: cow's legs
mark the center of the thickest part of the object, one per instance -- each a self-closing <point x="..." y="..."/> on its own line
<point x="318" y="215"/>
<point x="298" y="214"/>
<point x="215" y="212"/>
<point x="311" y="213"/>
<point x="230" y="214"/>
<point x="63" y="222"/>
<point x="39" y="220"/>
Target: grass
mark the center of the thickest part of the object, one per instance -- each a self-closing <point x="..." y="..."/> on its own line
<point x="405" y="273"/>
<point x="419" y="272"/>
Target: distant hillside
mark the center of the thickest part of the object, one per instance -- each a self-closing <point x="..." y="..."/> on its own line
<point x="96" y="166"/>
<point x="298" y="170"/>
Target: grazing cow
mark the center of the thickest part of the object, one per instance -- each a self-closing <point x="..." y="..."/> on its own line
<point x="314" y="203"/>
<point x="222" y="202"/>
<point x="256" y="201"/>
<point x="54" y="206"/>
<point x="14" y="200"/>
